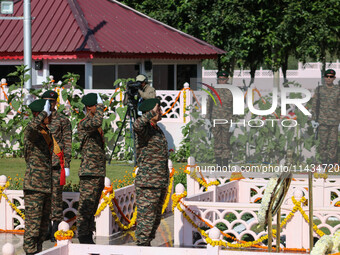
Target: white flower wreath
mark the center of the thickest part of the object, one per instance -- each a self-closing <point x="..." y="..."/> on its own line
<point x="262" y="214"/>
<point x="336" y="242"/>
<point x="323" y="245"/>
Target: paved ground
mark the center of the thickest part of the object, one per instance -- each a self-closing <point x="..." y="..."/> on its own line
<point x="164" y="237"/>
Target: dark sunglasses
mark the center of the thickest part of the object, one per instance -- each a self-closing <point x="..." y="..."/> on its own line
<point x="329" y="76"/>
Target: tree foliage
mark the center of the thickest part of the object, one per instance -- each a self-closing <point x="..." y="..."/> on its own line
<point x="254" y="32"/>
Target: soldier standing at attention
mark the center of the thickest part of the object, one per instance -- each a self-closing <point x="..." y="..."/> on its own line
<point x="38" y="145"/>
<point x="93" y="165"/>
<point x="61" y="130"/>
<point x="326" y="113"/>
<point x="221" y="133"/>
<point x="153" y="175"/>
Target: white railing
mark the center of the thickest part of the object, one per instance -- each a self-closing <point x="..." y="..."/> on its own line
<point x="325" y="192"/>
<point x="240" y="219"/>
<point x="168" y="98"/>
<point x="105" y="223"/>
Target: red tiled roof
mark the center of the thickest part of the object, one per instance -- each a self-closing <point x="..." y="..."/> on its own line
<point x="97" y="28"/>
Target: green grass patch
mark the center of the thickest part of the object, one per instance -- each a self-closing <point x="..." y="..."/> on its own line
<point x="120" y="173"/>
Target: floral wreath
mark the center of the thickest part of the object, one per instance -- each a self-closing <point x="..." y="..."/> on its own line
<point x="327" y="244"/>
<point x="276" y="188"/>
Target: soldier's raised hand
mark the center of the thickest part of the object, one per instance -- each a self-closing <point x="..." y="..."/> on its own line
<point x="315" y="124"/>
<point x="156" y="108"/>
<point x="99" y="99"/>
<point x="47" y="108"/>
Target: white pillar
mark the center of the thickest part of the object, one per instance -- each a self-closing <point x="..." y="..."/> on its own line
<point x="192" y="185"/>
<point x="3" y="180"/>
<point x="8" y="249"/>
<point x="64" y="226"/>
<point x="170" y="166"/>
<point x="182" y="228"/>
<point x="215" y="235"/>
<point x="295" y="228"/>
<point x="28" y="42"/>
<point x="104" y="219"/>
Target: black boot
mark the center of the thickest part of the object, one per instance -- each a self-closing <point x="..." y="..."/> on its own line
<point x="54" y="229"/>
<point x="49" y="231"/>
<point x="218" y="161"/>
<point x="90" y="239"/>
<point x="86" y="239"/>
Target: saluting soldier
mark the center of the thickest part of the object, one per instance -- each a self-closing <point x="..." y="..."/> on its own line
<point x="93" y="165"/>
<point x="153" y="175"/>
<point x="38" y="145"/>
<point x="326" y="103"/>
<point x="221" y="133"/>
<point x="61" y="130"/>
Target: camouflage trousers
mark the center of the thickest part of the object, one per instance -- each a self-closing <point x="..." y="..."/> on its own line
<point x="221" y="141"/>
<point x="149" y="203"/>
<point x="57" y="196"/>
<point x="328" y="135"/>
<point x="37" y="214"/>
<point x="90" y="189"/>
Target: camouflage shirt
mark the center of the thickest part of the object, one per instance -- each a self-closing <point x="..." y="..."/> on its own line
<point x="93" y="161"/>
<point x="218" y="111"/>
<point x="329" y="106"/>
<point x="60" y="128"/>
<point x="147" y="92"/>
<point x="38" y="156"/>
<point x="152" y="153"/>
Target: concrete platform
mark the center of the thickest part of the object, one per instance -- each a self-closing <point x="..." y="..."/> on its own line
<point x="164" y="238"/>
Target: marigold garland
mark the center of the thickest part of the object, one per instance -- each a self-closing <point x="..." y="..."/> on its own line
<point x="132" y="221"/>
<point x="63" y="235"/>
<point x="199" y="180"/>
<point x="315" y="227"/>
<point x="242" y="244"/>
<point x="167" y="198"/>
<point x="2" y="194"/>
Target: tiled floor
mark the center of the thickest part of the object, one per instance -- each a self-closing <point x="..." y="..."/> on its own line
<point x="164" y="237"/>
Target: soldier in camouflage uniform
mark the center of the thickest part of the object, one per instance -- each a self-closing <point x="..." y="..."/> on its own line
<point x="93" y="165"/>
<point x="153" y="175"/>
<point x="38" y="145"/>
<point x="221" y="133"/>
<point x="328" y="119"/>
<point x="61" y="130"/>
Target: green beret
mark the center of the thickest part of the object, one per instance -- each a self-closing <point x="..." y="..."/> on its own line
<point x="330" y="71"/>
<point x="149" y="104"/>
<point x="89" y="99"/>
<point x="37" y="105"/>
<point x="222" y="73"/>
<point x="50" y="94"/>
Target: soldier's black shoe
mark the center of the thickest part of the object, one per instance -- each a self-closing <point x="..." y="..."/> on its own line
<point x="144" y="244"/>
<point x="49" y="231"/>
<point x="54" y="229"/>
<point x="86" y="239"/>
